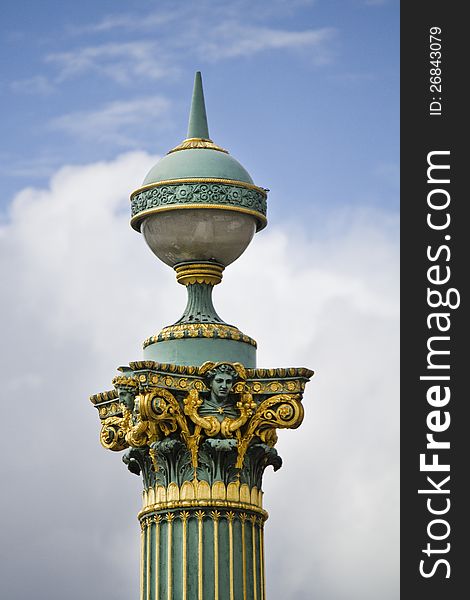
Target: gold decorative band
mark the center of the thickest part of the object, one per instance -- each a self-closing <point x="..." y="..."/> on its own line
<point x="210" y="273"/>
<point x="149" y="518"/>
<point x="104" y="397"/>
<point x="184" y="505"/>
<point x="129" y="383"/>
<point x="195" y="143"/>
<point x="249" y="186"/>
<point x="141" y="215"/>
<point x="197" y="494"/>
<point x="198" y="330"/>
<point x="290" y="373"/>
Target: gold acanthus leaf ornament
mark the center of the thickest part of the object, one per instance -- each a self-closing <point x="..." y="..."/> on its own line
<point x="141" y="433"/>
<point x="156" y="414"/>
<point x="284" y="411"/>
<point x="160" y="407"/>
<point x="245" y="406"/>
<point x="112" y="434"/>
<point x="209" y="423"/>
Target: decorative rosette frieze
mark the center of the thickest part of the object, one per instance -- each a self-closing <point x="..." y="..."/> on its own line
<point x="196" y="192"/>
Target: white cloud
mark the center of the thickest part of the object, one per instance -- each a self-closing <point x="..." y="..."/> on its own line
<point x="232" y="39"/>
<point x="126" y="22"/>
<point x="81" y="294"/>
<point x="37" y="85"/>
<point x="211" y="33"/>
<point x="205" y="11"/>
<point x="152" y="20"/>
<point x="122" y="62"/>
<point x="112" y="122"/>
<point x="29" y="166"/>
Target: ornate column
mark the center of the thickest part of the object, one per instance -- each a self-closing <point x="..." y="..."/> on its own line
<point x="196" y="418"/>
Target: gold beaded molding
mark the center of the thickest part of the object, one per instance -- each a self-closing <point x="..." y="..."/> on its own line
<point x="199" y="330"/>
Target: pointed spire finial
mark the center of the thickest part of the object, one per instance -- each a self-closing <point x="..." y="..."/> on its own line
<point x="197" y="127"/>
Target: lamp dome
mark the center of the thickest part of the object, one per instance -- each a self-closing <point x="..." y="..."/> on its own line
<point x="198" y="203"/>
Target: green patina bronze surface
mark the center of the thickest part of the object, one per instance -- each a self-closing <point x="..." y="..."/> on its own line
<point x="200" y="335"/>
<point x="195" y="351"/>
<point x="200" y="159"/>
<point x="236" y="578"/>
<point x="199" y="307"/>
<point x="196" y="419"/>
<point x="274" y="397"/>
<point x="205" y="161"/>
<point x="197" y="162"/>
<point x="201" y="437"/>
<point x="197" y="125"/>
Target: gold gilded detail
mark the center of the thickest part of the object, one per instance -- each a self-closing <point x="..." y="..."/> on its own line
<point x="261" y="561"/>
<point x="281" y="411"/>
<point x="253" y="545"/>
<point x="258" y="381"/>
<point x="251" y="525"/>
<point x="192" y="330"/>
<point x="148" y="558"/>
<point x="157" y="521"/>
<point x="194" y="494"/>
<point x="112" y="435"/>
<point x="243" y="518"/>
<point x="215" y="514"/>
<point x="257" y="403"/>
<point x="169" y="584"/>
<point x="230" y="516"/>
<point x="210" y="424"/>
<point x="142" y="551"/>
<point x="184" y="515"/>
<point x="115" y="416"/>
<point x="103" y="397"/>
<point x="123" y="382"/>
<point x="162" y="410"/>
<point x="200" y="516"/>
<point x="261" y="376"/>
<point x="249" y="186"/>
<point x="214" y="510"/>
<point x="192" y="143"/>
<point x="210" y="273"/>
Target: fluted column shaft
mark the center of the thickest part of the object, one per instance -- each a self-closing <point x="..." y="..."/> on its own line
<point x="205" y="554"/>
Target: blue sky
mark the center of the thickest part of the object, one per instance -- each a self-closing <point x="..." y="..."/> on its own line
<point x="303" y="93"/>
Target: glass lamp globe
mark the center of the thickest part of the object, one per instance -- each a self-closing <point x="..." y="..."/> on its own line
<point x="198" y="234"/>
<point x="198" y="203"/>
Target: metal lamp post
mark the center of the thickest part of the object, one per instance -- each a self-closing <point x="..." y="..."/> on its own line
<point x="196" y="418"/>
